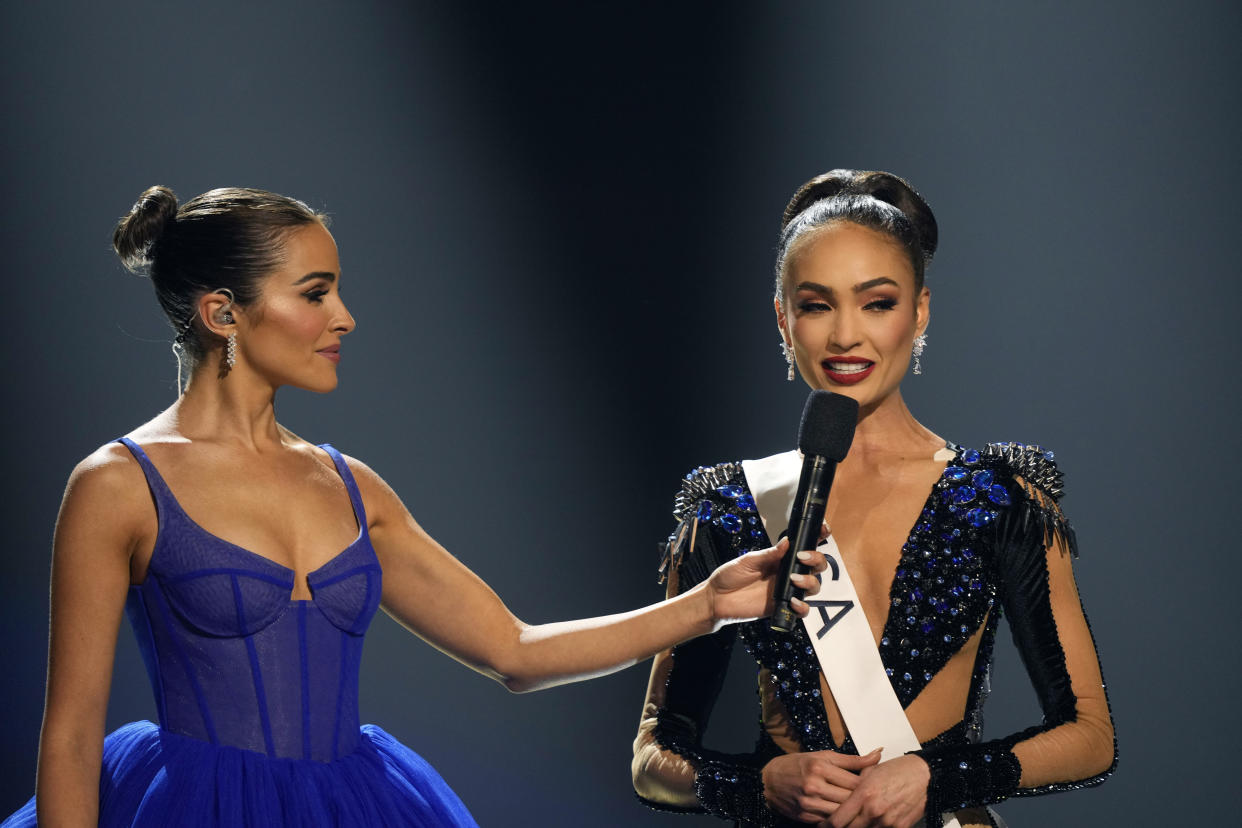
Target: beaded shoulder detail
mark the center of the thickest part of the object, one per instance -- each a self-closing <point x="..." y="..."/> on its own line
<point x="1036" y="473"/>
<point x="1036" y="466"/>
<point x="702" y="482"/>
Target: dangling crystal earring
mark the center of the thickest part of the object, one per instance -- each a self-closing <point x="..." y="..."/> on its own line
<point x="230" y="351"/>
<point x="920" y="342"/>
<point x="789" y="375"/>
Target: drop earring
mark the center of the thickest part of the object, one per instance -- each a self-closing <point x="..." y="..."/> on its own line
<point x="789" y="360"/>
<point x="920" y="342"/>
<point x="225" y="317"/>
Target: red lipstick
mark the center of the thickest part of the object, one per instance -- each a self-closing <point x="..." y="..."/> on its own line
<point x="847" y="370"/>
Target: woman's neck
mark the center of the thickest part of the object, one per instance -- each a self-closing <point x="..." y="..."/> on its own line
<point x="228" y="409"/>
<point x="887" y="432"/>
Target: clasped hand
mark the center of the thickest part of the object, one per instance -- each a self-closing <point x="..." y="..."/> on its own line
<point x="827" y="788"/>
<point x="741" y="590"/>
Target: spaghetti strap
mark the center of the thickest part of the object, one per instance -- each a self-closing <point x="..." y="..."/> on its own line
<point x="159" y="489"/>
<point x="351" y="485"/>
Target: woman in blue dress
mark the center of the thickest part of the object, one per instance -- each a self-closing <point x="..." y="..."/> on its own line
<point x="250" y="563"/>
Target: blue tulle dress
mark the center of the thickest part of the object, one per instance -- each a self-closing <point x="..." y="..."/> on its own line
<point x="257" y="695"/>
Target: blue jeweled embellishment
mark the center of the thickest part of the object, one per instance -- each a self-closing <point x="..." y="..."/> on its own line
<point x="889" y="671"/>
<point x="731" y="491"/>
<point x="927" y="627"/>
<point x="955" y="473"/>
<point x="998" y="495"/>
<point x="705" y="510"/>
<point x="979" y="517"/>
<point x="730" y="523"/>
<point x="757" y="534"/>
<point x="982" y="479"/>
<point x="746" y="503"/>
<point x="906" y="677"/>
<point x="1049" y="456"/>
<point x="963" y="765"/>
<point x="963" y="494"/>
<point x="970" y="457"/>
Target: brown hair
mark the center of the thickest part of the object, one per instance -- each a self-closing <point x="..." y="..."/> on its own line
<point x="878" y="200"/>
<point x="228" y="238"/>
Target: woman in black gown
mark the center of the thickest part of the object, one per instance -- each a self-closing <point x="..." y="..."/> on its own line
<point x="939" y="540"/>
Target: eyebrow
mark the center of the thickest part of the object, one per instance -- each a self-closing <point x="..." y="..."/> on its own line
<point x="318" y="274"/>
<point x="858" y="288"/>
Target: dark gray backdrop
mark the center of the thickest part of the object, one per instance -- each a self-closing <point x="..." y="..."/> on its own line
<point x="557" y="230"/>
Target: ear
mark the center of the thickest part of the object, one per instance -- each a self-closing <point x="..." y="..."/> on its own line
<point x="922" y="312"/>
<point x="782" y="322"/>
<point x="217" y="312"/>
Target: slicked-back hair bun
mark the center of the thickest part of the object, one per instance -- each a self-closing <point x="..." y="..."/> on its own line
<point x="230" y="238"/>
<point x="877" y="200"/>
<point x="138" y="231"/>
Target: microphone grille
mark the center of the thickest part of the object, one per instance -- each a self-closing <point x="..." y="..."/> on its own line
<point x="827" y="426"/>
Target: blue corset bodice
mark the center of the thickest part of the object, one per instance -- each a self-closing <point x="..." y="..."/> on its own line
<point x="232" y="660"/>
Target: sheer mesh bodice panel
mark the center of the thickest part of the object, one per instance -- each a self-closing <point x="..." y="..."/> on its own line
<point x="232" y="660"/>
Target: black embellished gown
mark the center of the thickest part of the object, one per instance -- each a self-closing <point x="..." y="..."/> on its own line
<point x="990" y="541"/>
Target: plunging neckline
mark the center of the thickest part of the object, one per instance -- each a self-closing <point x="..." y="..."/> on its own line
<point x="907" y="545"/>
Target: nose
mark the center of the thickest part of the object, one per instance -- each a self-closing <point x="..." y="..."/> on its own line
<point x="343" y="321"/>
<point x="844" y="333"/>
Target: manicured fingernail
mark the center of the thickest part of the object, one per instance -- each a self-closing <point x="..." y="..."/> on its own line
<point x="804" y="555"/>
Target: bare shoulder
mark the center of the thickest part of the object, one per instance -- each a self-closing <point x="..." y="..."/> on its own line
<point x="107" y="495"/>
<point x="377" y="495"/>
<point x="109" y="471"/>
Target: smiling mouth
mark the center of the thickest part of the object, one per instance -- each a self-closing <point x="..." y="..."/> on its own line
<point x="847" y="371"/>
<point x="848" y="367"/>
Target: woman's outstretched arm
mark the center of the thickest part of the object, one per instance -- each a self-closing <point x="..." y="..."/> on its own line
<point x="439" y="599"/>
<point x="99" y="526"/>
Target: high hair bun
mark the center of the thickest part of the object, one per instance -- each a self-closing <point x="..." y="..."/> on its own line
<point x="137" y="232"/>
<point x="881" y="186"/>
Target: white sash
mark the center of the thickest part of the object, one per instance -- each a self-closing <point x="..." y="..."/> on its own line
<point x="837" y="627"/>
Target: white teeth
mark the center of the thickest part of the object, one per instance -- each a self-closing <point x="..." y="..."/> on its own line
<point x="849" y="367"/>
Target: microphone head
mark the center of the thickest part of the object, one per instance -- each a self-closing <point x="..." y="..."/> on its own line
<point x="827" y="426"/>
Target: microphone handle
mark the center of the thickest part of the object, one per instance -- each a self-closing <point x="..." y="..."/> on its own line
<point x="805" y="520"/>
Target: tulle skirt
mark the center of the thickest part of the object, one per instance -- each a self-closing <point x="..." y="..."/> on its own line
<point x="151" y="777"/>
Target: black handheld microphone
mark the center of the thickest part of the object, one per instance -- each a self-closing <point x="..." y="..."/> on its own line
<point x="824" y="438"/>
